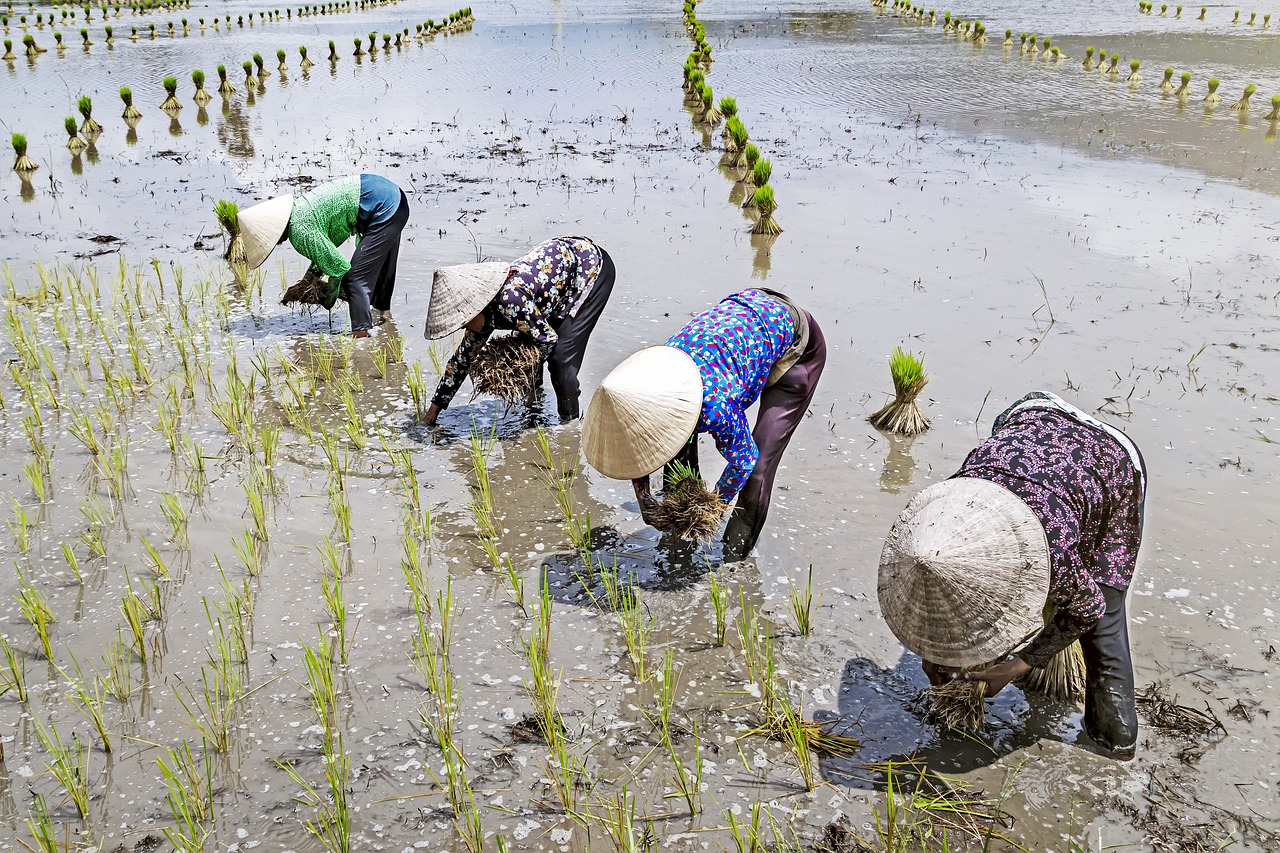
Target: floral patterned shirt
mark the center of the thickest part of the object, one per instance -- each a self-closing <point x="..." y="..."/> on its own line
<point x="735" y="344"/>
<point x="1087" y="493"/>
<point x="548" y="284"/>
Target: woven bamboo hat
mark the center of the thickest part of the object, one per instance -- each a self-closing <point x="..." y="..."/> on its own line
<point x="459" y="293"/>
<point x="262" y="225"/>
<point x="642" y="413"/>
<point x="964" y="574"/>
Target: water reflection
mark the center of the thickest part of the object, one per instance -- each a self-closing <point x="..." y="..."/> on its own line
<point x="899" y="465"/>
<point x="233" y="130"/>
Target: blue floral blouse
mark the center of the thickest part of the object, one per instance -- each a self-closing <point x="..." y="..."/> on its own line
<point x="548" y="284"/>
<point x="735" y="344"/>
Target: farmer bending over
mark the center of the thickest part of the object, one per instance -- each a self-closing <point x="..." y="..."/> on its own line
<point x="553" y="296"/>
<point x="756" y="344"/>
<point x="317" y="222"/>
<point x="1048" y="510"/>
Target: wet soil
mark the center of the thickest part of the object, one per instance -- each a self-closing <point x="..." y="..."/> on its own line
<point x="1024" y="224"/>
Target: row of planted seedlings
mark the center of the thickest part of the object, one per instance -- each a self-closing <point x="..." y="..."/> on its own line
<point x="82" y="135"/>
<point x="40" y="15"/>
<point x="33" y="49"/>
<point x="87" y="369"/>
<point x="742" y="162"/>
<point x="1106" y="66"/>
<point x="1147" y="8"/>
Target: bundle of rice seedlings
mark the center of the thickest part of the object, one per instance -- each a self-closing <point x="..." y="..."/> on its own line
<point x="263" y="73"/>
<point x="688" y="509"/>
<point x="1253" y="16"/>
<point x="386" y="42"/>
<point x="765" y="205"/>
<point x="201" y="97"/>
<point x="1008" y="39"/>
<point x="752" y="156"/>
<point x="696" y="79"/>
<point x="902" y="415"/>
<point x="304" y="63"/>
<point x="111" y="36"/>
<point x="373" y="42"/>
<point x="1242" y="105"/>
<point x="29" y="42"/>
<point x="281" y="66"/>
<point x="757" y="177"/>
<point x="1134" y="77"/>
<point x="133" y="35"/>
<point x="359" y="43"/>
<point x="229" y="218"/>
<point x="90" y="128"/>
<point x="308" y="290"/>
<point x="131" y="113"/>
<point x="1266" y="21"/>
<point x="1274" y="115"/>
<point x="735" y="138"/>
<point x="739" y="137"/>
<point x="1166" y="85"/>
<point x="1113" y="70"/>
<point x="22" y="164"/>
<point x="1184" y="91"/>
<point x="1178" y="14"/>
<point x="1213" y="98"/>
<point x="84" y="37"/>
<point x="1235" y="19"/>
<point x="74" y="143"/>
<point x="1203" y="10"/>
<point x="171" y="105"/>
<point x="250" y="82"/>
<point x="333" y="51"/>
<point x="8" y="51"/>
<point x="507" y="367"/>
<point x="957" y="704"/>
<point x="1164" y="9"/>
<point x="710" y="115"/>
<point x="1088" y="59"/>
<point x="225" y="87"/>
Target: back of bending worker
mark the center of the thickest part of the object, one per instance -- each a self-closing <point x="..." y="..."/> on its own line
<point x="1049" y="509"/>
<point x="320" y="220"/>
<point x="553" y="295"/>
<point x="755" y="344"/>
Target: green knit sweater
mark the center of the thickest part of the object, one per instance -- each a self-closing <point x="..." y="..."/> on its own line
<point x="322" y="220"/>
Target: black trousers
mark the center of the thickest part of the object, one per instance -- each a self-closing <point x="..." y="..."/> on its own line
<point x="571" y="345"/>
<point x="372" y="277"/>
<point x="1110" y="707"/>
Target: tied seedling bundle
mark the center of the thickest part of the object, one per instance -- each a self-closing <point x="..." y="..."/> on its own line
<point x="1063" y="678"/>
<point x="957" y="704"/>
<point x="902" y="415"/>
<point x="311" y="289"/>
<point x="22" y="164"/>
<point x="507" y="367"/>
<point x="688" y="508"/>
<point x="229" y="218"/>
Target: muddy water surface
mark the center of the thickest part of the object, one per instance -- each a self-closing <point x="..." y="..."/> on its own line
<point x="1022" y="223"/>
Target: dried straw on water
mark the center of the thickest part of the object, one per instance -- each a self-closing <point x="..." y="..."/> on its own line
<point x="689" y="509"/>
<point x="957" y="704"/>
<point x="1064" y="678"/>
<point x="507" y="367"/>
<point x="903" y="415"/>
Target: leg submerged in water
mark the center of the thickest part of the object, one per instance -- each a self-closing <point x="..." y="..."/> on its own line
<point x="1110" y="708"/>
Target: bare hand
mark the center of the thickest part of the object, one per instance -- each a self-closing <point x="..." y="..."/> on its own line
<point x="648" y="504"/>
<point x="933" y="671"/>
<point x="433" y="412"/>
<point x="999" y="676"/>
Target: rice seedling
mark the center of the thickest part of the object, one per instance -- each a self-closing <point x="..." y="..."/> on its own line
<point x="359" y="43"/>
<point x="117" y="678"/>
<point x="619" y="822"/>
<point x="719" y="606"/>
<point x="543" y="684"/>
<point x="22" y="164"/>
<point x="1166" y="85"/>
<point x="735" y="139"/>
<point x="765" y="205"/>
<point x="211" y="715"/>
<point x="36" y="610"/>
<point x="201" y="97"/>
<point x="14" y="675"/>
<point x="38" y="476"/>
<point x="332" y="824"/>
<point x="689" y="509"/>
<point x="40" y="825"/>
<point x="69" y="764"/>
<point x="902" y="415"/>
<point x="74" y="143"/>
<point x="629" y="611"/>
<point x="1134" y="77"/>
<point x="189" y="793"/>
<point x="323" y="696"/>
<point x="89" y="697"/>
<point x="1212" y="99"/>
<point x="802" y="605"/>
<point x="90" y="128"/>
<point x="334" y="601"/>
<point x="155" y="563"/>
<point x="333" y="53"/>
<point x="1274" y="115"/>
<point x="1242" y="105"/>
<point x="666" y="680"/>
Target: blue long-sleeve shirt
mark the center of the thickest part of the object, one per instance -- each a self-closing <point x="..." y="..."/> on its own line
<point x="735" y="344"/>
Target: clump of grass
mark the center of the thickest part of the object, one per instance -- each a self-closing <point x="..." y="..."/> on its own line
<point x="201" y="97"/>
<point x="225" y="87"/>
<point x="688" y="509"/>
<point x="229" y="218"/>
<point x="1212" y="99"/>
<point x="1242" y="105"/>
<point x="171" y="104"/>
<point x="765" y="204"/>
<point x="902" y="415"/>
<point x="507" y="367"/>
<point x="88" y="127"/>
<point x="1166" y="85"/>
<point x="22" y="164"/>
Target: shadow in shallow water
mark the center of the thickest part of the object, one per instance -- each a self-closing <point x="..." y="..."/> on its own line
<point x="882" y="703"/>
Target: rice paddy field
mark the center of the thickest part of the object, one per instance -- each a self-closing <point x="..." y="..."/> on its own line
<point x="249" y="603"/>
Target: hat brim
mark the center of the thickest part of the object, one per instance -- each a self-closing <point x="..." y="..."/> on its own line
<point x="643" y="413"/>
<point x="459" y="293"/>
<point x="262" y="226"/>
<point x="964" y="573"/>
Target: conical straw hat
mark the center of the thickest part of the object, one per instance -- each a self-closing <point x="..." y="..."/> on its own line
<point x="964" y="574"/>
<point x="459" y="293"/>
<point x="642" y="413"/>
<point x="261" y="227"/>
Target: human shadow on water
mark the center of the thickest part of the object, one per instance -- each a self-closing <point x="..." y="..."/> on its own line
<point x="884" y="706"/>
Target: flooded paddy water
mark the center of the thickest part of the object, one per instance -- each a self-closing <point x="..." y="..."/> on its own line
<point x="1022" y="223"/>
